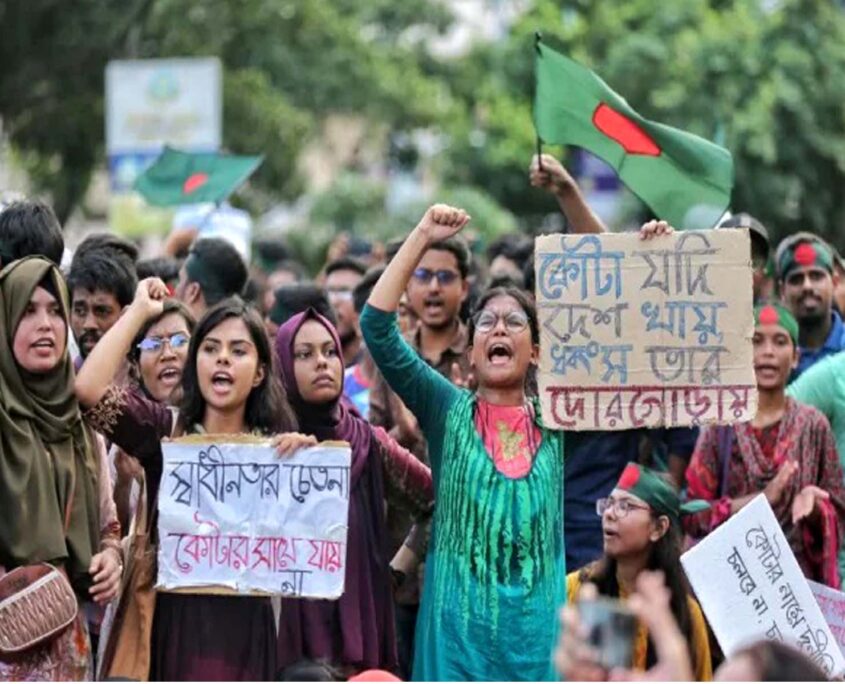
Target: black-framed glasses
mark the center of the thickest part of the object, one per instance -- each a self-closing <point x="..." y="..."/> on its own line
<point x="621" y="507"/>
<point x="156" y="344"/>
<point x="486" y="320"/>
<point x="444" y="276"/>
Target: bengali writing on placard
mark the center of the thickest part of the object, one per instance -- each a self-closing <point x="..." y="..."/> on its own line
<point x="750" y="587"/>
<point x="640" y="333"/>
<point x="832" y="604"/>
<point x="237" y="516"/>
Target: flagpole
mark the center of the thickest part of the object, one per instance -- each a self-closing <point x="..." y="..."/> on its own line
<point x="537" y="38"/>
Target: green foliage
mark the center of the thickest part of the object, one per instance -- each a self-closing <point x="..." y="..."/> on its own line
<point x="767" y="83"/>
<point x="765" y="79"/>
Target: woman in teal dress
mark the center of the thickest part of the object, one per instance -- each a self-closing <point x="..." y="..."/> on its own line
<point x="495" y="575"/>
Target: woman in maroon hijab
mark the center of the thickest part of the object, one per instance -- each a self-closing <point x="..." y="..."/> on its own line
<point x="355" y="632"/>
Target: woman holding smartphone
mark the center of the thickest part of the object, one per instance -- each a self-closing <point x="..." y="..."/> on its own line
<point x="641" y="524"/>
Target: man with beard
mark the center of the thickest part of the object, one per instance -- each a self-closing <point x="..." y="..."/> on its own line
<point x="341" y="277"/>
<point x="807" y="282"/>
<point x="102" y="280"/>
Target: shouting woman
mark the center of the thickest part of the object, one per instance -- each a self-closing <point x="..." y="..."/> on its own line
<point x="229" y="386"/>
<point x="495" y="574"/>
<point x="55" y="497"/>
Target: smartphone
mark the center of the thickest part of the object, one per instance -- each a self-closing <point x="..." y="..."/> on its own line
<point x="611" y="628"/>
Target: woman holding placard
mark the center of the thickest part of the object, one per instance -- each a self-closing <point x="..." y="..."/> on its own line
<point x="356" y="632"/>
<point x="229" y="387"/>
<point x="787" y="452"/>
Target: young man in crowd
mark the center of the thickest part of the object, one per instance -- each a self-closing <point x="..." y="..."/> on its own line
<point x="213" y="271"/>
<point x="436" y="291"/>
<point x="102" y="281"/>
<point x="808" y="282"/>
<point x="28" y="228"/>
<point x="341" y="277"/>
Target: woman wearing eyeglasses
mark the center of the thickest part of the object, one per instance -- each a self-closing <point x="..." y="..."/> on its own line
<point x="494" y="576"/>
<point x="156" y="359"/>
<point x="641" y="524"/>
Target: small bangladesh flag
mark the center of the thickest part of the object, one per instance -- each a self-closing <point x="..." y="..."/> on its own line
<point x="686" y="180"/>
<point x="178" y="177"/>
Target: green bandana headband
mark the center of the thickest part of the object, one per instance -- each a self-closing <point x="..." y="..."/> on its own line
<point x="648" y="485"/>
<point x="805" y="253"/>
<point x="775" y="314"/>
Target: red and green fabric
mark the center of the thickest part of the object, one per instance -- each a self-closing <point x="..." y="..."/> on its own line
<point x="775" y="314"/>
<point x="684" y="179"/>
<point x="651" y="487"/>
<point x="804" y="253"/>
<point x="178" y="177"/>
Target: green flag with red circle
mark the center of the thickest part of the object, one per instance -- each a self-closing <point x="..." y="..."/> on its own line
<point x="178" y="177"/>
<point x="684" y="179"/>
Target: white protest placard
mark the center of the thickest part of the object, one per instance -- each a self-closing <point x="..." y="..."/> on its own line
<point x="832" y="605"/>
<point x="750" y="587"/>
<point x="234" y="515"/>
<point x="640" y="333"/>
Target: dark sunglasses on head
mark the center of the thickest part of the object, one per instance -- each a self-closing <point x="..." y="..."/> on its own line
<point x="155" y="344"/>
<point x="444" y="277"/>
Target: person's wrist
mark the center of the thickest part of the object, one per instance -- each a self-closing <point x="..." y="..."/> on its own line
<point x="420" y="236"/>
<point x="563" y="188"/>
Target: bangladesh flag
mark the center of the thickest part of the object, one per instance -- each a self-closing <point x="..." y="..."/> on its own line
<point x="178" y="177"/>
<point x="686" y="180"/>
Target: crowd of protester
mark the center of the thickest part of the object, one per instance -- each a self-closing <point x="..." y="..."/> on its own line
<point x="470" y="524"/>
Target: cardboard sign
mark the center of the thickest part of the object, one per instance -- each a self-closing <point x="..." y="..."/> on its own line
<point x="750" y="587"/>
<point x="234" y="515"/>
<point x="832" y="605"/>
<point x="640" y="333"/>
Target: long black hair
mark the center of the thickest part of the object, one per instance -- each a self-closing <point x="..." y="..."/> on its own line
<point x="267" y="408"/>
<point x="666" y="556"/>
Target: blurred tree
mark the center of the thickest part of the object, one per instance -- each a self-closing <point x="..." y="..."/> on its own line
<point x="765" y="79"/>
<point x="53" y="55"/>
<point x="287" y="64"/>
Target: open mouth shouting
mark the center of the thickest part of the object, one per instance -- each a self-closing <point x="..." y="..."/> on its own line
<point x="170" y="376"/>
<point x="499" y="353"/>
<point x="433" y="305"/>
<point x="44" y="346"/>
<point x="222" y="382"/>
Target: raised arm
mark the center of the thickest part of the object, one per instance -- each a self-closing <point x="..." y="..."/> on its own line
<point x="425" y="392"/>
<point x="105" y="360"/>
<point x="439" y="222"/>
<point x="553" y="177"/>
